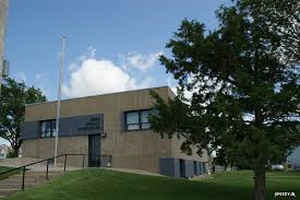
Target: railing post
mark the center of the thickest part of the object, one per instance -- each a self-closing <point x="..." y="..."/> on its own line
<point x="65" y="162"/>
<point x="47" y="169"/>
<point x="23" y="178"/>
<point x="83" y="158"/>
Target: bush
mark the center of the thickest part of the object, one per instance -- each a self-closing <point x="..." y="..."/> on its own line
<point x="11" y="154"/>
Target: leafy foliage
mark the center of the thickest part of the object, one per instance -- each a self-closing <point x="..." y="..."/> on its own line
<point x="14" y="96"/>
<point x="244" y="79"/>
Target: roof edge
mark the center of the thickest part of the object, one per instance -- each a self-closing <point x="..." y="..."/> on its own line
<point x="85" y="97"/>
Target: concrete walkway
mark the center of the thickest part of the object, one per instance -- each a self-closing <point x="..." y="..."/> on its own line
<point x="18" y="162"/>
<point x="135" y="171"/>
<point x="143" y="172"/>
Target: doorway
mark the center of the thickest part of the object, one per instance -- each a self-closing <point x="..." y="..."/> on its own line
<point x="94" y="151"/>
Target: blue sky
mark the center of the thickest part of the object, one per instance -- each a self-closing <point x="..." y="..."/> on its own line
<point x="128" y="35"/>
<point x="111" y="45"/>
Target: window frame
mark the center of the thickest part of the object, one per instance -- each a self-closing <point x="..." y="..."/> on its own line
<point x="140" y="123"/>
<point x="52" y="128"/>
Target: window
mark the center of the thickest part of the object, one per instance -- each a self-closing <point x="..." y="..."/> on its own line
<point x="48" y="128"/>
<point x="137" y="120"/>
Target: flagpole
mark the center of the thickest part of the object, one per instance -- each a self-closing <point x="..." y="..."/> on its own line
<point x="3" y="15"/>
<point x="61" y="73"/>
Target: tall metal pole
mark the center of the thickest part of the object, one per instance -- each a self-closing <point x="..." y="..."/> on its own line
<point x="61" y="73"/>
<point x="3" y="12"/>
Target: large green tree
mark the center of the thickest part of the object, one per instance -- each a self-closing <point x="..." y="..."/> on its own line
<point x="244" y="80"/>
<point x="14" y="96"/>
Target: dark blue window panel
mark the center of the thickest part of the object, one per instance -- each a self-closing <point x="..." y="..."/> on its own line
<point x="176" y="168"/>
<point x="200" y="168"/>
<point x="189" y="168"/>
<point x="30" y="130"/>
<point x="81" y="125"/>
<point x="196" y="168"/>
<point x="169" y="167"/>
<point x="181" y="168"/>
<point x="69" y="126"/>
<point x="204" y="168"/>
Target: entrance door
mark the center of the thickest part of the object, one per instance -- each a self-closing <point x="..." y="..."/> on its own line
<point x="94" y="150"/>
<point x="182" y="167"/>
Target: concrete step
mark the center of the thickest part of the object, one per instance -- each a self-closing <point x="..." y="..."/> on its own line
<point x="32" y="178"/>
<point x="19" y="180"/>
<point x="41" y="173"/>
<point x="34" y="175"/>
<point x="17" y="185"/>
<point x="5" y="187"/>
<point x="7" y="192"/>
<point x="16" y="182"/>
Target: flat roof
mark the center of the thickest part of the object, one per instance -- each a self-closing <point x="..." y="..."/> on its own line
<point x="112" y="93"/>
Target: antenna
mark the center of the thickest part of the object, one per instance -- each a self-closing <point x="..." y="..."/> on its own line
<point x="60" y="81"/>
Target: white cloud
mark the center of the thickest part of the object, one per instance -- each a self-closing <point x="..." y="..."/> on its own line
<point x="97" y="76"/>
<point x="91" y="76"/>
<point x="141" y="61"/>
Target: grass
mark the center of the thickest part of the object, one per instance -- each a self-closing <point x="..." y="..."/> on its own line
<point x="3" y="169"/>
<point x="92" y="184"/>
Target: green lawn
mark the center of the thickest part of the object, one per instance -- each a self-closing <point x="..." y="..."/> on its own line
<point x="92" y="184"/>
<point x="3" y="169"/>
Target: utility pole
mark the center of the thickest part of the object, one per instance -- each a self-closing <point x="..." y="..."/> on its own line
<point x="60" y="81"/>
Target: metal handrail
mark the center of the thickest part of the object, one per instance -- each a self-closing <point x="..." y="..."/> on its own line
<point x="47" y="167"/>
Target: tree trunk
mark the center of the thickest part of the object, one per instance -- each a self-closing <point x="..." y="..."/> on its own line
<point x="259" y="185"/>
<point x="15" y="151"/>
<point x="225" y="167"/>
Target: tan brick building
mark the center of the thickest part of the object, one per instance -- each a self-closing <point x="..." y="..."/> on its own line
<point x="110" y="124"/>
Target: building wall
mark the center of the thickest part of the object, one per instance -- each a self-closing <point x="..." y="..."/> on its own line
<point x="44" y="148"/>
<point x="177" y="153"/>
<point x="133" y="149"/>
<point x="176" y="143"/>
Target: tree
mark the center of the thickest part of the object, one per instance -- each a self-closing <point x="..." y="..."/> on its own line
<point x="244" y="80"/>
<point x="15" y="95"/>
<point x="223" y="158"/>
